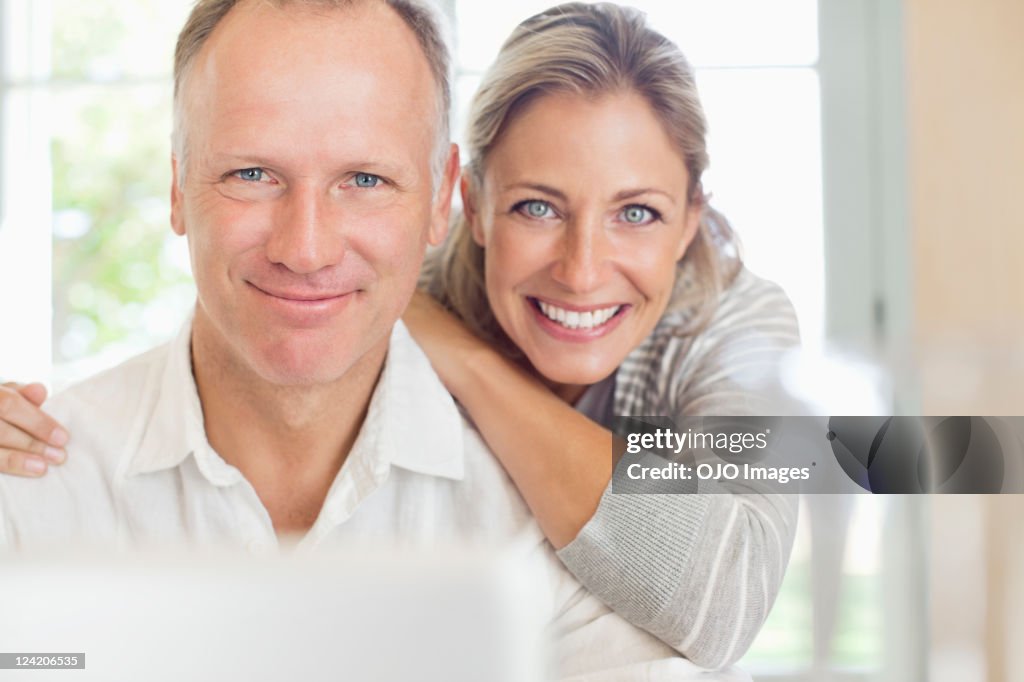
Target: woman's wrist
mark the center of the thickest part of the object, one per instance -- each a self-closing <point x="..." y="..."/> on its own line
<point x="475" y="371"/>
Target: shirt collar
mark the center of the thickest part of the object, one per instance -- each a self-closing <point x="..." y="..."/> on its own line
<point x="175" y="429"/>
<point x="422" y="425"/>
<point x="412" y="422"/>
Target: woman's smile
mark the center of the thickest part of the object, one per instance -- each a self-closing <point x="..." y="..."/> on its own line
<point x="577" y="323"/>
<point x="583" y="218"/>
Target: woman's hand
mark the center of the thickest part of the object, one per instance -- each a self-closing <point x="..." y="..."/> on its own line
<point x="447" y="342"/>
<point x="30" y="439"/>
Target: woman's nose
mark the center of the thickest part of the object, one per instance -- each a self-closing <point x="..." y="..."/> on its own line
<point x="583" y="259"/>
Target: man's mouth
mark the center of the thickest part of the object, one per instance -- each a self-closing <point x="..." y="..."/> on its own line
<point x="301" y="295"/>
<point x="589" y="318"/>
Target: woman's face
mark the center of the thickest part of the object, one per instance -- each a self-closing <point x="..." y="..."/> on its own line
<point x="583" y="215"/>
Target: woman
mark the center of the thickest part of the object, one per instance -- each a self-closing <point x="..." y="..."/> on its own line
<point x="592" y="279"/>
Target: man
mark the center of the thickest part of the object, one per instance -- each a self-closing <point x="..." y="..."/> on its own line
<point x="308" y="199"/>
<point x="311" y="169"/>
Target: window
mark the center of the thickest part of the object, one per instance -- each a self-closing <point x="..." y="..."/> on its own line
<point x="85" y="178"/>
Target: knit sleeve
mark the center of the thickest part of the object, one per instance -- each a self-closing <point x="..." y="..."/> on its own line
<point x="701" y="571"/>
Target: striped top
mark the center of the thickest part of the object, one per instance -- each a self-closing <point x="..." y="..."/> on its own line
<point x="699" y="571"/>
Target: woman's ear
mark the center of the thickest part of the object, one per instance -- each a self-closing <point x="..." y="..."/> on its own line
<point x="694" y="213"/>
<point x="469" y="207"/>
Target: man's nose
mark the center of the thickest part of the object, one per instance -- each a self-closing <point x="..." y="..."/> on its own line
<point x="307" y="234"/>
<point x="584" y="256"/>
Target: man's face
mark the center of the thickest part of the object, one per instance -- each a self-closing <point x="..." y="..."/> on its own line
<point x="308" y="198"/>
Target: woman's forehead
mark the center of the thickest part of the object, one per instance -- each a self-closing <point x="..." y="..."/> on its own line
<point x="564" y="139"/>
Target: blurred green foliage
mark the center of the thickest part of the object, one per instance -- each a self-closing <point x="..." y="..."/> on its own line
<point x="110" y="40"/>
<point x="117" y="278"/>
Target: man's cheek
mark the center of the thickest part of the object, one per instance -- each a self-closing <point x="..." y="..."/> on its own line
<point x="393" y="249"/>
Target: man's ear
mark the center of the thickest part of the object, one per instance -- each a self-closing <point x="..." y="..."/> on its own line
<point x="469" y="208"/>
<point x="177" y="210"/>
<point x="443" y="201"/>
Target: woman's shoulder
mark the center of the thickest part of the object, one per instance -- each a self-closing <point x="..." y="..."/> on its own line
<point x="752" y="300"/>
<point x="718" y="366"/>
<point x="749" y="305"/>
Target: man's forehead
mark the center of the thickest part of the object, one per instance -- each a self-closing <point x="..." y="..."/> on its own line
<point x="358" y="61"/>
<point x="266" y="23"/>
<point x="364" y="40"/>
<point x="310" y="91"/>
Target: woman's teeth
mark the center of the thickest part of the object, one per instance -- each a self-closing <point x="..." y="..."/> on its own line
<point x="573" y="319"/>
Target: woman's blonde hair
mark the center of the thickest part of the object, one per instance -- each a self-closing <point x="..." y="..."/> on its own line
<point x="587" y="50"/>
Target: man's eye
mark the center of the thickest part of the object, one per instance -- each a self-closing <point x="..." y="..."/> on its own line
<point x="535" y="208"/>
<point x="251" y="174"/>
<point x="367" y="180"/>
<point x="638" y="215"/>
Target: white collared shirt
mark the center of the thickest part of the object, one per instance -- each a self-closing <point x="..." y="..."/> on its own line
<point x="140" y="471"/>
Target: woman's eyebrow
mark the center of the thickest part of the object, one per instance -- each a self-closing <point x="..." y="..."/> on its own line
<point x="536" y="187"/>
<point x="622" y="195"/>
<point x="632" y="193"/>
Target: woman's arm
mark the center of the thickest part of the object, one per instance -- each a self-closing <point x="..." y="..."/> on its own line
<point x="698" y="571"/>
<point x="560" y="460"/>
<point x="702" y="571"/>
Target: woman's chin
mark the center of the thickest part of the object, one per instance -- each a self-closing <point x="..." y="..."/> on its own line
<point x="571" y="370"/>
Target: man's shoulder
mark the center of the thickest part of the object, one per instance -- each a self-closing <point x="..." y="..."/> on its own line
<point x="100" y="411"/>
<point x="105" y="415"/>
<point x="112" y="389"/>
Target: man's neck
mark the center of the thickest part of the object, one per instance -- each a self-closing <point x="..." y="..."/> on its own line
<point x="288" y="441"/>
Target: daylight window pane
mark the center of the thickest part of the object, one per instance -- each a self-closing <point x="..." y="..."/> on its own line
<point x="483" y="27"/>
<point x="120" y="281"/>
<point x="25" y="40"/>
<point x="106" y="40"/>
<point x="859" y="642"/>
<point x="765" y="176"/>
<point x="739" y="32"/>
<point x="710" y="32"/>
<point x="465" y="87"/>
<point x="784" y="644"/>
<point x="24" y="237"/>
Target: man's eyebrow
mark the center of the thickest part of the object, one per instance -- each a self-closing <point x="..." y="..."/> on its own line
<point x="238" y="160"/>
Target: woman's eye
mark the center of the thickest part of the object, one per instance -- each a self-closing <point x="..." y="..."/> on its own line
<point x="638" y="215"/>
<point x="535" y="209"/>
<point x="367" y="180"/>
<point x="251" y="174"/>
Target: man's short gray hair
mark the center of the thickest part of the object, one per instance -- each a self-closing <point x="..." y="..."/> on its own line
<point x="427" y="22"/>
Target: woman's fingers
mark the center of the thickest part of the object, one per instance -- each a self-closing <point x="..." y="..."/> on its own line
<point x="35" y="393"/>
<point x="21" y="464"/>
<point x="27" y="434"/>
<point x="15" y="440"/>
<point x="30" y="439"/>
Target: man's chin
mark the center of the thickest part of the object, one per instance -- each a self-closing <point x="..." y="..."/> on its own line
<point x="308" y="369"/>
<point x="298" y="362"/>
